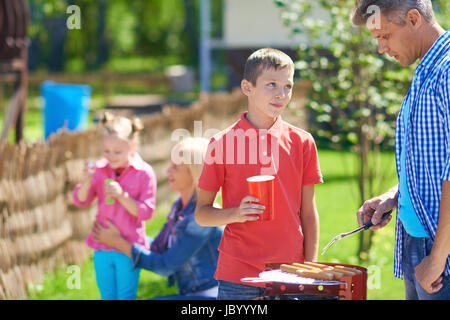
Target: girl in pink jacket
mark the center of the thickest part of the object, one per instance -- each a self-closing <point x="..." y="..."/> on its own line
<point x="125" y="188"/>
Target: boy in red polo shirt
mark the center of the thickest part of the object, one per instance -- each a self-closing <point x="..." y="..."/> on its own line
<point x="261" y="143"/>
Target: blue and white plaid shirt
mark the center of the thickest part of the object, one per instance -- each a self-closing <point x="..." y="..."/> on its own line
<point x="428" y="141"/>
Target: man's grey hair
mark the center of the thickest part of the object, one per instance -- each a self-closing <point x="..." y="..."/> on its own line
<point x="393" y="10"/>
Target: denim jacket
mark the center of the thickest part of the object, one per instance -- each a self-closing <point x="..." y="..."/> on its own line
<point x="191" y="259"/>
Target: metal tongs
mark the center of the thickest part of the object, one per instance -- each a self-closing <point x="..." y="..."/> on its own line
<point x="368" y="225"/>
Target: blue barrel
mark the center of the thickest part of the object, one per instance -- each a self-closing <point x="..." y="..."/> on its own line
<point x="65" y="106"/>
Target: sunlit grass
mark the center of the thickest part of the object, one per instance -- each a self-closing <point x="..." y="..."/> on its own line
<point x="338" y="201"/>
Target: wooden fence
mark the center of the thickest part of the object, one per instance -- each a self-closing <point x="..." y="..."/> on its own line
<point x="40" y="228"/>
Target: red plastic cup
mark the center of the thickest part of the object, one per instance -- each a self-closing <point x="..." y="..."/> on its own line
<point x="262" y="187"/>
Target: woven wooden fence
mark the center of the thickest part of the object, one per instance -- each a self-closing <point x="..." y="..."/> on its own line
<point x="40" y="228"/>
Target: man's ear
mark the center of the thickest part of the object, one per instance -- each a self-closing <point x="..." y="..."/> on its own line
<point x="414" y="18"/>
<point x="246" y="87"/>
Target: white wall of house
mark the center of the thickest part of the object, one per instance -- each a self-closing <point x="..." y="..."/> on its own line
<point x="255" y="23"/>
<point x="248" y="24"/>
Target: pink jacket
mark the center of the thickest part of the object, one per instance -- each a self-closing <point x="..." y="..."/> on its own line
<point x="139" y="180"/>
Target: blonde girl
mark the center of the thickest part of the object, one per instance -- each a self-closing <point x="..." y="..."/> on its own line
<point x="125" y="188"/>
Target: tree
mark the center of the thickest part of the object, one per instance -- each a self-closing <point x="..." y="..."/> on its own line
<point x="53" y="44"/>
<point x="356" y="93"/>
<point x="442" y="10"/>
<point x="158" y="29"/>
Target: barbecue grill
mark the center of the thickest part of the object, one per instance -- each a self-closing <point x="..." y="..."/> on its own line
<point x="282" y="286"/>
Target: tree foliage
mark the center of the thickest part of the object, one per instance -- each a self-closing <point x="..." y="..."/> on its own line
<point x="119" y="29"/>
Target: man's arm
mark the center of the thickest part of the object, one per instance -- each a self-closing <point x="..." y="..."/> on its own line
<point x="208" y="216"/>
<point x="430" y="269"/>
<point x="441" y="245"/>
<point x="310" y="223"/>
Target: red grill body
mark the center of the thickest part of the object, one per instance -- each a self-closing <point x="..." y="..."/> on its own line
<point x="351" y="288"/>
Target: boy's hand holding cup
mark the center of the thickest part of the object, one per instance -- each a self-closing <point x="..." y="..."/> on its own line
<point x="262" y="188"/>
<point x="249" y="210"/>
<point x="259" y="204"/>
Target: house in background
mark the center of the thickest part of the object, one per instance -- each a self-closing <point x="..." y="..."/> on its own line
<point x="247" y="25"/>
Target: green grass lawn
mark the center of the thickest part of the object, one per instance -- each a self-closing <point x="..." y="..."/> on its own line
<point x="337" y="201"/>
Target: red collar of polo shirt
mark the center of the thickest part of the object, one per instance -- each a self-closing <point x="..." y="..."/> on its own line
<point x="274" y="130"/>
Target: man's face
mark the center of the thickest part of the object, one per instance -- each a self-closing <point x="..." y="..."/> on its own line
<point x="398" y="41"/>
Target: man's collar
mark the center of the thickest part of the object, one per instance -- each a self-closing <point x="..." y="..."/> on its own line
<point x="441" y="45"/>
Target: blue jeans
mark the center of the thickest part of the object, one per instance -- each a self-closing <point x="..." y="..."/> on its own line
<point x="116" y="277"/>
<point x="237" y="291"/>
<point x="414" y="250"/>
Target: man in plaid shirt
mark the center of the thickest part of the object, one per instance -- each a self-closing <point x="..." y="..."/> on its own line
<point x="407" y="30"/>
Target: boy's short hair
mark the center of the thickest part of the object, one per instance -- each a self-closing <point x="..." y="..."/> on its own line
<point x="264" y="59"/>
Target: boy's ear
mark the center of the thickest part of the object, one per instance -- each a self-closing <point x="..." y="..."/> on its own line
<point x="246" y="87"/>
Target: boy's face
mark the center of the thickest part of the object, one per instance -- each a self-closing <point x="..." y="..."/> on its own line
<point x="271" y="94"/>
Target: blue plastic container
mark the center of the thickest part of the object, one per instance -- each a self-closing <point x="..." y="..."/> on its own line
<point x="65" y="106"/>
